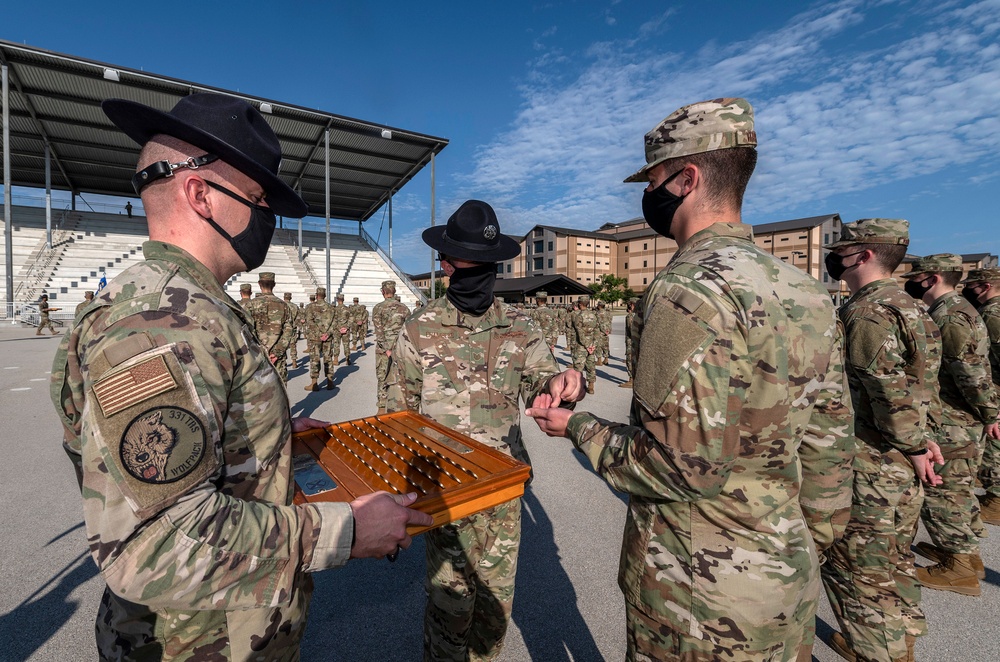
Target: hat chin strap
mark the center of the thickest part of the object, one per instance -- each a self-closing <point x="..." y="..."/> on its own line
<point x="162" y="169"/>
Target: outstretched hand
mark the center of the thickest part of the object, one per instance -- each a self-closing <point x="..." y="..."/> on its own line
<point x="380" y="521"/>
<point x="551" y="420"/>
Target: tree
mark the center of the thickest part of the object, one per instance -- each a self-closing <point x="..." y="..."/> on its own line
<point x="610" y="289"/>
<point x="439" y="289"/>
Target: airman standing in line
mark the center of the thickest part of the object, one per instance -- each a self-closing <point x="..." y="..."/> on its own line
<point x="893" y="356"/>
<point x="629" y="321"/>
<point x="546" y="319"/>
<point x="273" y="323"/>
<point x="586" y="327"/>
<point x="293" y="346"/>
<point x="341" y="331"/>
<point x="604" y="325"/>
<point x="387" y="318"/>
<point x="968" y="408"/>
<point x="245" y="292"/>
<point x="982" y="289"/>
<point x="319" y="334"/>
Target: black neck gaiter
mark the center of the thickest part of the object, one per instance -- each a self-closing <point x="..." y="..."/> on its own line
<point x="471" y="289"/>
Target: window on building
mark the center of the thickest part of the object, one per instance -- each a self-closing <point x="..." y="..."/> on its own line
<point x="588" y="245"/>
<point x="644" y="264"/>
<point x="644" y="281"/>
<point x="508" y="268"/>
<point x="538" y="263"/>
<point x="645" y="246"/>
<point x="826" y="238"/>
<point x="550" y="245"/>
<point x="784" y="238"/>
<point x="539" y="246"/>
<point x="579" y="262"/>
<point x="606" y="263"/>
<point x="539" y="232"/>
<point x="626" y="266"/>
<point x="826" y="278"/>
<point x="550" y="263"/>
<point x="500" y="268"/>
<point x="626" y="249"/>
<point x="588" y="261"/>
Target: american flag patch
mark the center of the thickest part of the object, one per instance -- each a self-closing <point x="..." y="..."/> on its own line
<point x="128" y="387"/>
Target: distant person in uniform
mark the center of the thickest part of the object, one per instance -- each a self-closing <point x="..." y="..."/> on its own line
<point x="245" y="291"/>
<point x="737" y="458"/>
<point x="177" y="423"/>
<point x="387" y="318"/>
<point x="629" y="357"/>
<point x="294" y="312"/>
<point x="88" y="296"/>
<point x="273" y="322"/>
<point x="128" y="208"/>
<point x="465" y="360"/>
<point x="319" y="321"/>
<point x="43" y="310"/>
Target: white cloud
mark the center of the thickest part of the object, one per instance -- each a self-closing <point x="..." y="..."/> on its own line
<point x="844" y="103"/>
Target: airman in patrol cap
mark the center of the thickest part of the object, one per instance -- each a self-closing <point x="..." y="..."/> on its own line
<point x="245" y="292"/>
<point x="893" y="356"/>
<point x="721" y="433"/>
<point x="968" y="408"/>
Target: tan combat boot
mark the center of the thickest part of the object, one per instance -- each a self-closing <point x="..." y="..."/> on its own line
<point x="329" y="383"/>
<point x="805" y="653"/>
<point x="990" y="509"/>
<point x="627" y="384"/>
<point x="381" y="410"/>
<point x="312" y="385"/>
<point x="955" y="573"/>
<point x="911" y="648"/>
<point x="590" y="388"/>
<point x="936" y="554"/>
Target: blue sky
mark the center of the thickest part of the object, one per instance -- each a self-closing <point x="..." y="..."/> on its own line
<point x="863" y="107"/>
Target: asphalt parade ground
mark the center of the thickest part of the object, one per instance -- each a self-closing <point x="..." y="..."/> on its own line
<point x="567" y="604"/>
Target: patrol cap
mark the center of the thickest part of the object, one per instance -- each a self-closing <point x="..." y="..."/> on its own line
<point x="321" y="291"/>
<point x="987" y="275"/>
<point x="245" y="287"/>
<point x="935" y="264"/>
<point x="584" y="299"/>
<point x="355" y="299"/>
<point x="389" y="285"/>
<point x="874" y="231"/>
<point x="600" y="304"/>
<point x="541" y="295"/>
<point x="340" y="296"/>
<point x="705" y="126"/>
<point x="265" y="276"/>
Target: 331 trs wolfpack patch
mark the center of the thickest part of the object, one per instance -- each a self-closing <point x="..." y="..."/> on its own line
<point x="162" y="445"/>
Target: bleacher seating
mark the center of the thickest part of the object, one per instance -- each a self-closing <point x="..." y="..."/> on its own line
<point x="87" y="245"/>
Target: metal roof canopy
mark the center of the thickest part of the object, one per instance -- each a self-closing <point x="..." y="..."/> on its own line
<point x="55" y="101"/>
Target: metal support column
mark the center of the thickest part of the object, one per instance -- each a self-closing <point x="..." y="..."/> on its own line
<point x="7" y="194"/>
<point x="390" y="225"/>
<point x="48" y="197"/>
<point x="326" y="177"/>
<point x="432" y="293"/>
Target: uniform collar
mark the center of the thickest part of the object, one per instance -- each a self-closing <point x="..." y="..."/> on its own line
<point x="191" y="268"/>
<point x="452" y="316"/>
<point x="874" y="285"/>
<point x="740" y="231"/>
<point x="945" y="299"/>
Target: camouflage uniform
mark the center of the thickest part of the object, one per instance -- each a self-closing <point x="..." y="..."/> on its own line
<point x="603" y="350"/>
<point x="586" y="328"/>
<point x="560" y="321"/>
<point x="180" y="432"/>
<point x="570" y="332"/>
<point x="893" y="355"/>
<point x="387" y="318"/>
<point x="629" y="358"/>
<point x="293" y="312"/>
<point x="739" y="448"/>
<point x="468" y="374"/>
<point x="341" y="320"/>
<point x="989" y="469"/>
<point x="44" y="322"/>
<point x="967" y="404"/>
<point x="272" y="322"/>
<point x="547" y="321"/>
<point x="319" y="322"/>
<point x="245" y="295"/>
<point x="360" y="326"/>
<point x="87" y="298"/>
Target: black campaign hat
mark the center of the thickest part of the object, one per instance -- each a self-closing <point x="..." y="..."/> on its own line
<point x="472" y="233"/>
<point x="224" y="126"/>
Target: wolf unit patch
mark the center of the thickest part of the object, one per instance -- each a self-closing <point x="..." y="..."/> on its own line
<point x="162" y="445"/>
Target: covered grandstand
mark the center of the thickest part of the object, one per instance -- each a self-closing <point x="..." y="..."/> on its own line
<point x="55" y="137"/>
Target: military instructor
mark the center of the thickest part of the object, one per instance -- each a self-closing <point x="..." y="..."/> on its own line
<point x="179" y="425"/>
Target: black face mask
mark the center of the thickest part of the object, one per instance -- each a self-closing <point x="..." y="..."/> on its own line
<point x="835" y="264"/>
<point x="659" y="206"/>
<point x="915" y="289"/>
<point x="471" y="289"/>
<point x="250" y="245"/>
<point x="971" y="297"/>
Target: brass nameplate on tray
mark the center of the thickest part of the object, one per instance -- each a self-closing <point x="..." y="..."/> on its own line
<point x="453" y="475"/>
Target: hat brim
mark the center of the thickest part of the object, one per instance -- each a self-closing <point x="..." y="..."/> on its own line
<point x="640" y="175"/>
<point x="505" y="249"/>
<point x="140" y="123"/>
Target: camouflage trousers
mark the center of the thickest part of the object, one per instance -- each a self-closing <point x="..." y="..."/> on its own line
<point x="320" y="350"/>
<point x="989" y="467"/>
<point x="628" y="357"/>
<point x="648" y="640"/>
<point x="471" y="566"/>
<point x="869" y="574"/>
<point x="281" y="365"/>
<point x="603" y="349"/>
<point x="126" y="631"/>
<point x="381" y="373"/>
<point x="45" y="323"/>
<point x="360" y="332"/>
<point x="293" y="349"/>
<point x="951" y="508"/>
<point x="582" y="360"/>
<point x="338" y="341"/>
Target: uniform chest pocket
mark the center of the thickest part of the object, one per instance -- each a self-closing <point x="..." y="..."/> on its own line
<point x="505" y="368"/>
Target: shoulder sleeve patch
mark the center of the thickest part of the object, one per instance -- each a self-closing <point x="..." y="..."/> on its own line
<point x="132" y="385"/>
<point x="162" y="445"/>
<point x="671" y="336"/>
